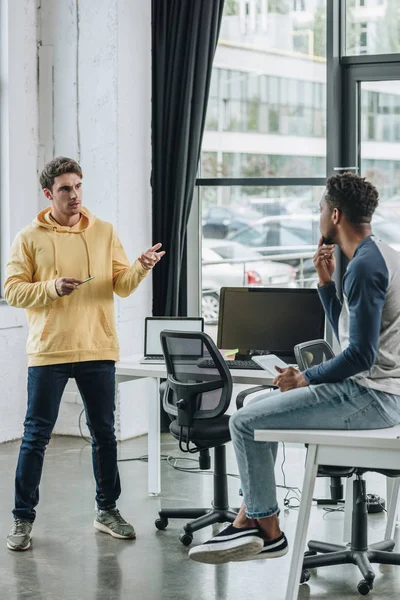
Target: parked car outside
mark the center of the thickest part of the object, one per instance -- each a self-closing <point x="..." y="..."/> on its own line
<point x="252" y="269"/>
<point x="295" y="234"/>
<point x="219" y="221"/>
<point x="299" y="234"/>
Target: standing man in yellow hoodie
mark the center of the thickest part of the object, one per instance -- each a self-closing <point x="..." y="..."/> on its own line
<point x="64" y="269"/>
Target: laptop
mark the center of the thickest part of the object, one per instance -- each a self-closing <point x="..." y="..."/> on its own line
<point x="189" y="352"/>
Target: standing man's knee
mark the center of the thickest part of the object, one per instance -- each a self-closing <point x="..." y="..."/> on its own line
<point x="36" y="435"/>
<point x="104" y="436"/>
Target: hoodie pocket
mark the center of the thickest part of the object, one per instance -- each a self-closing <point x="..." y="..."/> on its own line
<point x="47" y="325"/>
<point x="104" y="322"/>
<point x="84" y="328"/>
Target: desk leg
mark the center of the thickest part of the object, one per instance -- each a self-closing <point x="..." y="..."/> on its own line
<point x="154" y="443"/>
<point x="303" y="519"/>
<point x="392" y="487"/>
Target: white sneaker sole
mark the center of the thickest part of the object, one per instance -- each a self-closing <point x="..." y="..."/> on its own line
<point x="265" y="555"/>
<point x="19" y="548"/>
<point x="105" y="529"/>
<point x="222" y="552"/>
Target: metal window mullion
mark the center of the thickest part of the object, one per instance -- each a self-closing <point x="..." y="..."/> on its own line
<point x="261" y="181"/>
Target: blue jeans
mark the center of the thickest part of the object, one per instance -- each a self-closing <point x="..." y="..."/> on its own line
<point x="96" y="383"/>
<point x="344" y="405"/>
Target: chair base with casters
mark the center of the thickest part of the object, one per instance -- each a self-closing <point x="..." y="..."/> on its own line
<point x="219" y="512"/>
<point x="358" y="552"/>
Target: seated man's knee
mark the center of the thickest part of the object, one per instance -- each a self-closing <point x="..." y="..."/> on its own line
<point x="236" y="421"/>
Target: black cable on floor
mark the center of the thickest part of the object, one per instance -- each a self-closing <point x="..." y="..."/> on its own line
<point x="173" y="460"/>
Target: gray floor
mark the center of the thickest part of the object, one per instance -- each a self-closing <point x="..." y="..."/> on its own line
<point x="69" y="560"/>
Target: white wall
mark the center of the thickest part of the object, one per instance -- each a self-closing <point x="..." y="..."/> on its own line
<point x="18" y="189"/>
<point x="98" y="55"/>
<point x="93" y="103"/>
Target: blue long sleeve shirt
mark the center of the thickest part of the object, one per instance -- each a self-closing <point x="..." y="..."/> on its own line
<point x="367" y="323"/>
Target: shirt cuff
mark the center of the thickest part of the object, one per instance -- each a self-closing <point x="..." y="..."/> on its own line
<point x="139" y="268"/>
<point x="51" y="290"/>
<point x="326" y="285"/>
<point x="306" y="376"/>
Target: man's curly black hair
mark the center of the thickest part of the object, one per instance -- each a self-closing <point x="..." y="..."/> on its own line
<point x="356" y="198"/>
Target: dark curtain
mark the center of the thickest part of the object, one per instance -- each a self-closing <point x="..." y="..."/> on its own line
<point x="184" y="39"/>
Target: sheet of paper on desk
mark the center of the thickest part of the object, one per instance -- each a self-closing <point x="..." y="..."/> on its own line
<point x="268" y="362"/>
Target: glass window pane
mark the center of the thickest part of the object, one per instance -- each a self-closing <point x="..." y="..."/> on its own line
<point x="380" y="158"/>
<point x="269" y="79"/>
<point x="372" y="27"/>
<point x="255" y="235"/>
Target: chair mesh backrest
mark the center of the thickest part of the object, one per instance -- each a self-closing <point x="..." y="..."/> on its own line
<point x="182" y="351"/>
<point x="313" y="353"/>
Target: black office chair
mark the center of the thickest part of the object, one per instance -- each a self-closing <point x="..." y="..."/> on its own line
<point x="198" y="398"/>
<point x="358" y="552"/>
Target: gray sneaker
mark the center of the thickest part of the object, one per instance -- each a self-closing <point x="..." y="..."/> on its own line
<point x="110" y="521"/>
<point x="20" y="536"/>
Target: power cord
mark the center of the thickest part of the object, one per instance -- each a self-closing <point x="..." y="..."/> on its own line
<point x="288" y="500"/>
<point x="329" y="510"/>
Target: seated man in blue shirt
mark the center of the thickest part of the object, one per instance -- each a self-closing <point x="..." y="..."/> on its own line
<point x="358" y="389"/>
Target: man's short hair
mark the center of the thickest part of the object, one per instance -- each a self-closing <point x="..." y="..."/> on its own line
<point x="56" y="167"/>
<point x="355" y="197"/>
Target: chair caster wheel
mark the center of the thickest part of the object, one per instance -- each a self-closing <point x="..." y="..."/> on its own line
<point x="310" y="553"/>
<point x="364" y="587"/>
<point x="161" y="523"/>
<point x="186" y="538"/>
<point x="305" y="576"/>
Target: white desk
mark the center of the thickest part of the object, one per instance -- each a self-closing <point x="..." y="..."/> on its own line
<point x="130" y="369"/>
<point x="374" y="448"/>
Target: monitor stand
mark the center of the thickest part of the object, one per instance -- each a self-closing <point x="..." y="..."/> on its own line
<point x="244" y="354"/>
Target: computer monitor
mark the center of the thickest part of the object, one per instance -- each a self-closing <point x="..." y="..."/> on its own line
<point x="260" y="320"/>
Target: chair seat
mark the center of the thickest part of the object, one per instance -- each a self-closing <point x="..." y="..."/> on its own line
<point x="349" y="471"/>
<point x="327" y="471"/>
<point x="206" y="433"/>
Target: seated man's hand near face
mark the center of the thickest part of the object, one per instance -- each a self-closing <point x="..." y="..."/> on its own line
<point x="289" y="379"/>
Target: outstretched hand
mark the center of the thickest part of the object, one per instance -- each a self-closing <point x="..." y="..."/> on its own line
<point x="151" y="257"/>
<point x="289" y="379"/>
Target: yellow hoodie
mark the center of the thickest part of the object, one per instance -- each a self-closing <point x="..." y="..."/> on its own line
<point x="81" y="326"/>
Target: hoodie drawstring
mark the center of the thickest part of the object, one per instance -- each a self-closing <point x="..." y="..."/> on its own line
<point x="55" y="252"/>
<point x="88" y="254"/>
<point x="55" y="249"/>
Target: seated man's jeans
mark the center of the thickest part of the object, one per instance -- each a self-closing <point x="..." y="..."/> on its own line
<point x="46" y="384"/>
<point x="344" y="405"/>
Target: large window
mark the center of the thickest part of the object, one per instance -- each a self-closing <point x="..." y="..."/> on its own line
<point x="284" y="112"/>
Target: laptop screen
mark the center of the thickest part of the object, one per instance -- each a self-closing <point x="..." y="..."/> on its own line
<point x="154" y="326"/>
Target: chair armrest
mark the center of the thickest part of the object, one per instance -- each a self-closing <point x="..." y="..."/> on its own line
<point x="240" y="398"/>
